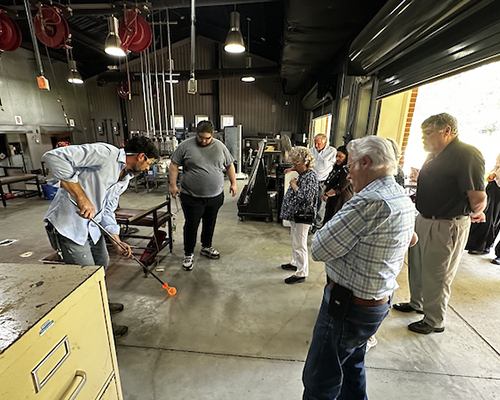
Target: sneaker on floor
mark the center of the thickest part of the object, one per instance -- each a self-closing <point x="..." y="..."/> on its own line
<point x="188" y="262"/>
<point x="115" y="308"/>
<point x="496" y="261"/>
<point x="372" y="342"/>
<point x="210" y="252"/>
<point x="119" y="330"/>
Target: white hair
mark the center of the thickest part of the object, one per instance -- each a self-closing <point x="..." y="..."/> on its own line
<point x="380" y="151"/>
<point x="303" y="154"/>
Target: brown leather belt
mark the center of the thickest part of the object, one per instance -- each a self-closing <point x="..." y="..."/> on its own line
<point x="362" y="302"/>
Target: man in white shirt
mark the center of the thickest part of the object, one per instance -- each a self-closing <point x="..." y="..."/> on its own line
<point x="324" y="157"/>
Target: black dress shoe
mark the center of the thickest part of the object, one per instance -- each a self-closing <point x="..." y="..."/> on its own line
<point x="478" y="252"/>
<point x="496" y="261"/>
<point x="115" y="308"/>
<point x="406" y="307"/>
<point x="119" y="330"/>
<point x="289" y="267"/>
<point x="294" y="279"/>
<point x="424" y="328"/>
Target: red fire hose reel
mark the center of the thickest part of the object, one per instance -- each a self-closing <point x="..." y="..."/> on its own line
<point x="50" y="27"/>
<point x="10" y="34"/>
<point x="135" y="33"/>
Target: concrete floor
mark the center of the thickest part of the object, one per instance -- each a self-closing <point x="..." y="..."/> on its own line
<point x="236" y="331"/>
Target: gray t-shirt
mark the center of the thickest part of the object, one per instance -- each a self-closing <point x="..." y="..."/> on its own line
<point x="203" y="167"/>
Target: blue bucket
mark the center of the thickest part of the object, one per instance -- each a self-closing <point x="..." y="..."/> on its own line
<point x="49" y="192"/>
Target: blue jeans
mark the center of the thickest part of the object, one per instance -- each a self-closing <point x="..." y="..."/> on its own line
<point x="73" y="253"/>
<point x="335" y="364"/>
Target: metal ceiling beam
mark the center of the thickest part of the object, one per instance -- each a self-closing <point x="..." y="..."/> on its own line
<point x="85" y="40"/>
<point x="265" y="72"/>
<point x="95" y="9"/>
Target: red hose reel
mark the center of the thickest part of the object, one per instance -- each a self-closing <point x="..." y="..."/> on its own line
<point x="50" y="27"/>
<point x="10" y="34"/>
<point x="134" y="32"/>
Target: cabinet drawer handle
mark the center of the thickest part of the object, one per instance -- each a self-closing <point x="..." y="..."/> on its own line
<point x="75" y="386"/>
<point x="39" y="384"/>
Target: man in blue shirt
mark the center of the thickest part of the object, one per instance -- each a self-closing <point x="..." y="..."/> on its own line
<point x="94" y="175"/>
<point x="363" y="247"/>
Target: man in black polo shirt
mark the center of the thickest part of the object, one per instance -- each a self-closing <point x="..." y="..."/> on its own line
<point x="450" y="194"/>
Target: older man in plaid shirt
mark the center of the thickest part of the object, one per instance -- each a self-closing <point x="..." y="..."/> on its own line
<point x="363" y="247"/>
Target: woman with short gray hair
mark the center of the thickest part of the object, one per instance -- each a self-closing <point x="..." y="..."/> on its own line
<point x="299" y="207"/>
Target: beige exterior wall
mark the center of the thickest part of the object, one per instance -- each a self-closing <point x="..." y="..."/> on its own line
<point x="393" y="116"/>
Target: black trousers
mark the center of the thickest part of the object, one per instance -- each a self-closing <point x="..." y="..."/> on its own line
<point x="198" y="209"/>
<point x="482" y="235"/>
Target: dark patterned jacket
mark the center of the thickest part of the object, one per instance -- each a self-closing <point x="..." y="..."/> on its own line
<point x="304" y="199"/>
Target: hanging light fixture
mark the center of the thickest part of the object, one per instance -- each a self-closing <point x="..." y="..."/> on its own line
<point x="234" y="40"/>
<point x="112" y="46"/>
<point x="74" y="76"/>
<point x="248" y="78"/>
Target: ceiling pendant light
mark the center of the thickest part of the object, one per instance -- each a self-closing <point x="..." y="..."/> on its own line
<point x="248" y="78"/>
<point x="112" y="46"/>
<point x="74" y="76"/>
<point x="234" y="40"/>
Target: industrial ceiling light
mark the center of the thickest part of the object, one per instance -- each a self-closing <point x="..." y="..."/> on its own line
<point x="248" y="78"/>
<point x="112" y="46"/>
<point x="74" y="76"/>
<point x="234" y="40"/>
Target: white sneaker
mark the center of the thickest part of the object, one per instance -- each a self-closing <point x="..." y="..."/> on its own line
<point x="188" y="262"/>
<point x="372" y="342"/>
<point x="210" y="252"/>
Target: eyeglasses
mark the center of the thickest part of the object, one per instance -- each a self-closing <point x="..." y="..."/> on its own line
<point x="203" y="137"/>
<point x="296" y="163"/>
<point x="347" y="167"/>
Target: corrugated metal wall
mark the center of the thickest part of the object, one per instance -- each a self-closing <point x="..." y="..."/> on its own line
<point x="104" y="107"/>
<point x="261" y="107"/>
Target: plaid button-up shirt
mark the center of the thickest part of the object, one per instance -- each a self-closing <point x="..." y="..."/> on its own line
<point x="364" y="244"/>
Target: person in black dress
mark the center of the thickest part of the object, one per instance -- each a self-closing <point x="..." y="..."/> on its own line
<point x="337" y="189"/>
<point x="482" y="236"/>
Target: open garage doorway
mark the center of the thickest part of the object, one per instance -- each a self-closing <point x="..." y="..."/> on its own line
<point x="472" y="97"/>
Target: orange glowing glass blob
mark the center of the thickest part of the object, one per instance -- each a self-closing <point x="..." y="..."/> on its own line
<point x="171" y="290"/>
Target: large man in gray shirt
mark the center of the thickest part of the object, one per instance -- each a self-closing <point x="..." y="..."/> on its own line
<point x="202" y="193"/>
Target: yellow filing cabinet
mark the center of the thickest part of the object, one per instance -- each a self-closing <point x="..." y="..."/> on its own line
<point x="56" y="340"/>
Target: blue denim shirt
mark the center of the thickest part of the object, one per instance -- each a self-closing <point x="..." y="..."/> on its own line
<point x="96" y="167"/>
